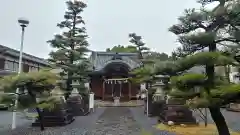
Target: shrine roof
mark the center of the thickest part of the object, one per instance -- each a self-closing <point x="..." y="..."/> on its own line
<point x="100" y="59"/>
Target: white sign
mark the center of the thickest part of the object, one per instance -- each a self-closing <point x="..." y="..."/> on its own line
<point x="91" y="100"/>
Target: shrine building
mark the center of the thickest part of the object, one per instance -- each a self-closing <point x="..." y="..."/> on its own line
<point x="111" y="73"/>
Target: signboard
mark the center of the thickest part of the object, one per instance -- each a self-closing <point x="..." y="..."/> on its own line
<point x="91" y="100"/>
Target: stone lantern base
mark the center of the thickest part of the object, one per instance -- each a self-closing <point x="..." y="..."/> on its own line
<point x="78" y="106"/>
<point x="177" y="112"/>
<point x="235" y="107"/>
<point x="59" y="116"/>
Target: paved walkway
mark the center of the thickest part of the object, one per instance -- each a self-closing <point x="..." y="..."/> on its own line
<point x="125" y="121"/>
<point x="79" y="127"/>
<point x="116" y="120"/>
<point x="104" y="121"/>
<point x="111" y="121"/>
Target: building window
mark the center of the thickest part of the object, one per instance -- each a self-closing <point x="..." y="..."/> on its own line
<point x="8" y="65"/>
<point x="15" y="66"/>
<point x="32" y="69"/>
<point x="25" y="68"/>
<point x="2" y="63"/>
<point x="11" y="65"/>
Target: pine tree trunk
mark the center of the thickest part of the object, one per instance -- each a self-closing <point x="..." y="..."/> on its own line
<point x="70" y="73"/>
<point x="33" y="96"/>
<point x="69" y="85"/>
<point x="219" y="120"/>
<point x="40" y="118"/>
<point x="216" y="114"/>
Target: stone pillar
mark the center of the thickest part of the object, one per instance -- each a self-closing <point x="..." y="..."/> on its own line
<point x="129" y="90"/>
<point x="91" y="102"/>
<point x="103" y="90"/>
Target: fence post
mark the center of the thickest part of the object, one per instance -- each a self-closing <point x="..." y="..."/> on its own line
<point x="91" y="102"/>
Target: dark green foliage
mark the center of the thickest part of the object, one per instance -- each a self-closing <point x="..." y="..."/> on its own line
<point x="120" y="48"/>
<point x="36" y="84"/>
<point x="138" y="43"/>
<point x="71" y="45"/>
<point x="201" y="33"/>
<point x="143" y="74"/>
<point x="186" y="81"/>
<point x="156" y="56"/>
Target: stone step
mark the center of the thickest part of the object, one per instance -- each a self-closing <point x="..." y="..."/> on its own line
<point x="132" y="103"/>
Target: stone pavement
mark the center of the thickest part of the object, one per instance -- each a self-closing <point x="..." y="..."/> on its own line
<point x="104" y="121"/>
<point x="111" y="121"/>
<point x="78" y="127"/>
<point x="6" y="120"/>
<point x="124" y="121"/>
<point x="116" y="120"/>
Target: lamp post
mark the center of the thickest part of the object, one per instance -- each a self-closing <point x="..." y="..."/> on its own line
<point x="23" y="23"/>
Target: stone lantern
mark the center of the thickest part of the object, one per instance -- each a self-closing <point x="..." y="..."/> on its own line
<point x="74" y="92"/>
<point x="159" y="94"/>
<point x="157" y="100"/>
<point x="58" y="94"/>
<point x="75" y="101"/>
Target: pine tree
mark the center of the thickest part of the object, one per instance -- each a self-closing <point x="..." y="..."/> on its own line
<point x="71" y="45"/>
<point x="138" y="43"/>
<point x="200" y="48"/>
<point x="37" y="84"/>
<point x="141" y="74"/>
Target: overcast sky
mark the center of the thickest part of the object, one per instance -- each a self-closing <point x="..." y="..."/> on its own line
<point x="108" y="22"/>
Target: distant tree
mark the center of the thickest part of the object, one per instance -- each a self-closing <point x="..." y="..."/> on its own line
<point x="138" y="43"/>
<point x="121" y="48"/>
<point x="157" y="56"/>
<point x="71" y="45"/>
<point x="148" y="59"/>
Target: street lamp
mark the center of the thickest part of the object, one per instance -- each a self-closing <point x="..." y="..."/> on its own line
<point x="23" y="23"/>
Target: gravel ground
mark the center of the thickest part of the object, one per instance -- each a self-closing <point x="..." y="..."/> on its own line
<point x="147" y="123"/>
<point x="232" y="119"/>
<point x="104" y="121"/>
<point x="116" y="121"/>
<point x="6" y="120"/>
<point x="78" y="127"/>
<point x="125" y="121"/>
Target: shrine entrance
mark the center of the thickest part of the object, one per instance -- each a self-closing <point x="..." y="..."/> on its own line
<point x="111" y="74"/>
<point x="117" y="87"/>
<point x="116" y="82"/>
